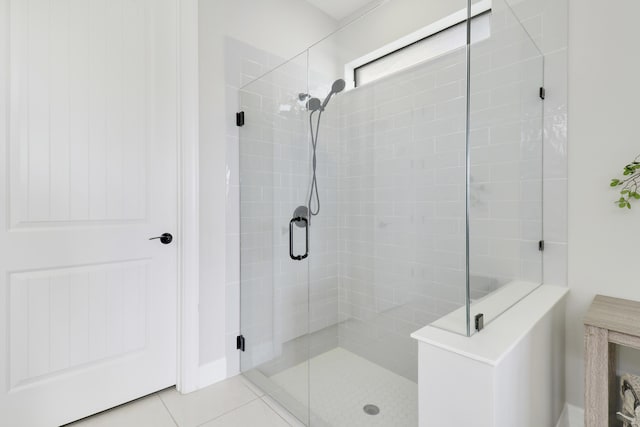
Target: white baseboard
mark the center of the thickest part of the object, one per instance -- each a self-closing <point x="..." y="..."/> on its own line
<point x="212" y="372"/>
<point x="572" y="416"/>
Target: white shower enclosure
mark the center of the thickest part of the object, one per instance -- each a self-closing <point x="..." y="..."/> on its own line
<point x="429" y="183"/>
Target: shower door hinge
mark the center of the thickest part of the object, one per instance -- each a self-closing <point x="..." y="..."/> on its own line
<point x="543" y="93"/>
<point x="479" y="322"/>
<point x="240" y="343"/>
<point x="240" y="118"/>
<point x="541" y="245"/>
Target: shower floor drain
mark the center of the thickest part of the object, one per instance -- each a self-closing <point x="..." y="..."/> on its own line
<point x="371" y="409"/>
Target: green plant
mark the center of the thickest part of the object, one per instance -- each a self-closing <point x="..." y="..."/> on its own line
<point x="629" y="184"/>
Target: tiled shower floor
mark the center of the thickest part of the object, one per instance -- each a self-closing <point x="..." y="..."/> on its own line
<point x="342" y="383"/>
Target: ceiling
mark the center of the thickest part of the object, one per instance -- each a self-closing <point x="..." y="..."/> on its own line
<point x="339" y="9"/>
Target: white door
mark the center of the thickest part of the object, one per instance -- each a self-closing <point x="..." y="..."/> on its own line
<point x="88" y="96"/>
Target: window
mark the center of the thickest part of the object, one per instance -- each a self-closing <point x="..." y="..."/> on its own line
<point x="444" y="36"/>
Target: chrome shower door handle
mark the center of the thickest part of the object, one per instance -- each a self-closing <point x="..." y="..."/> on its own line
<point x="306" y="234"/>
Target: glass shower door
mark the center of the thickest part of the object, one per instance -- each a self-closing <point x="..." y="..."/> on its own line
<point x="274" y="271"/>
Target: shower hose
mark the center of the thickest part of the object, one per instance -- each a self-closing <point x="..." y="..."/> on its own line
<point x="314" y="181"/>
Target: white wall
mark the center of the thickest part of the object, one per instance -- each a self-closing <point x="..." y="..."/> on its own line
<point x="282" y="28"/>
<point x="603" y="102"/>
<point x="391" y="21"/>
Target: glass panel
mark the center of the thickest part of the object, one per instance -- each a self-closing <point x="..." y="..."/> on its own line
<point x="274" y="179"/>
<point x="388" y="245"/>
<point x="505" y="181"/>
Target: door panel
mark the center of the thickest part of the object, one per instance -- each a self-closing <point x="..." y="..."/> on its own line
<point x="69" y="317"/>
<point x="274" y="188"/>
<point x="79" y="111"/>
<point x="88" y="136"/>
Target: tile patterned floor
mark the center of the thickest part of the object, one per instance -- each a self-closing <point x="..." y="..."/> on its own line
<point x="343" y="383"/>
<point x="231" y="403"/>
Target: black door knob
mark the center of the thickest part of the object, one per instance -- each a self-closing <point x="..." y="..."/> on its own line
<point x="165" y="239"/>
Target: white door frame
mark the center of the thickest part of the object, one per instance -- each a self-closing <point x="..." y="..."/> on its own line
<point x="188" y="199"/>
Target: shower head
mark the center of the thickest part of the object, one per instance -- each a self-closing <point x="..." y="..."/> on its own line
<point x="336" y="87"/>
<point x="314" y="104"/>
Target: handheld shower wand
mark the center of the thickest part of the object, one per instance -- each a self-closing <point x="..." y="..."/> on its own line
<point x="314" y="105"/>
